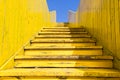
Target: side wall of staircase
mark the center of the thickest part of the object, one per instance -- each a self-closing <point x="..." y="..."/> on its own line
<point x="102" y="19"/>
<point x="19" y="20"/>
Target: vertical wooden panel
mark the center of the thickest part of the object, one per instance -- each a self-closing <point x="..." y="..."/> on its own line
<point x="102" y="19"/>
<point x="19" y="20"/>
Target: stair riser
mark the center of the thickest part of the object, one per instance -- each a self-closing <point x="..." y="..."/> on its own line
<point x="24" y="57"/>
<point x="65" y="40"/>
<point x="64" y="63"/>
<point x="82" y="30"/>
<point x="63" y="52"/>
<point x="63" y="36"/>
<point x="69" y="72"/>
<point x="63" y="29"/>
<point x="62" y="33"/>
<point x="63" y="44"/>
<point x="55" y="78"/>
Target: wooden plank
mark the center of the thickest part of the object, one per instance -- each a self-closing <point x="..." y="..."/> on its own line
<point x="64" y="57"/>
<point x="63" y="40"/>
<point x="62" y="52"/>
<point x="59" y="33"/>
<point x="62" y="44"/>
<point x="64" y="63"/>
<point x="63" y="30"/>
<point x="65" y="48"/>
<point x="63" y="36"/>
<point x="54" y="38"/>
<point x="56" y="78"/>
<point x="45" y="72"/>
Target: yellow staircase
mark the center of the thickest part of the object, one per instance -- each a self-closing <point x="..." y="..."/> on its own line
<point x="62" y="53"/>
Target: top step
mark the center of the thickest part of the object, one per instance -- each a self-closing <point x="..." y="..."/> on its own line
<point x="64" y="30"/>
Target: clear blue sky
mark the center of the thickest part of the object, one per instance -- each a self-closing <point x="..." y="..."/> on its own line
<point x="62" y="7"/>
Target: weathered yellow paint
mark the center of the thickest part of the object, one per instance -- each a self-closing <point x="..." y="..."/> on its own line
<point x="63" y="63"/>
<point x="70" y="72"/>
<point x="55" y="78"/>
<point x="63" y="52"/>
<point x="19" y="18"/>
<point x="63" y="44"/>
<point x="101" y="19"/>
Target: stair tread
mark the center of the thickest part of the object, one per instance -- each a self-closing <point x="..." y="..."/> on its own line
<point x="65" y="40"/>
<point x="61" y="72"/>
<point x="63" y="63"/>
<point x="63" y="28"/>
<point x="64" y="48"/>
<point x="57" y="78"/>
<point x="69" y="36"/>
<point x="63" y="33"/>
<point x="66" y="57"/>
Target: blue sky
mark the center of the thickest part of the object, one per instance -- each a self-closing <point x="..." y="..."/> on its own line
<point x="62" y="7"/>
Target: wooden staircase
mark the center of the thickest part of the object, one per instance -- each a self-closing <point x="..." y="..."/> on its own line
<point x="62" y="53"/>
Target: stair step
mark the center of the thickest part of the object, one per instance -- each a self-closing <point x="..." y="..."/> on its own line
<point x="63" y="30"/>
<point x="64" y="57"/>
<point x="67" y="72"/>
<point x="93" y="50"/>
<point x="62" y="43"/>
<point x="56" y="78"/>
<point x="64" y="40"/>
<point x="63" y="63"/>
<point x="63" y="36"/>
<point x="64" y="48"/>
<point x="61" y="33"/>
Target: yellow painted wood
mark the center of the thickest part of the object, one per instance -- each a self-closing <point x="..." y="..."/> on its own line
<point x="63" y="52"/>
<point x="63" y="36"/>
<point x="17" y="19"/>
<point x="61" y="72"/>
<point x="62" y="30"/>
<point x="64" y="63"/>
<point x="55" y="78"/>
<point x="63" y="44"/>
<point x="59" y="33"/>
<point x="64" y="48"/>
<point x="26" y="57"/>
<point x="101" y="19"/>
<point x="9" y="78"/>
<point x="64" y="40"/>
<point x="93" y="50"/>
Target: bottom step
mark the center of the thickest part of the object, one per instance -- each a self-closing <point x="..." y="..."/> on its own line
<point x="55" y="78"/>
<point x="54" y="72"/>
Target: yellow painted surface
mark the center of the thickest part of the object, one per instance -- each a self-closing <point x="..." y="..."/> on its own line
<point x="63" y="44"/>
<point x="56" y="78"/>
<point x="19" y="21"/>
<point x="102" y="18"/>
<point x="63" y="52"/>
<point x="61" y="62"/>
<point x="70" y="72"/>
<point x="64" y="63"/>
<point x="63" y="39"/>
